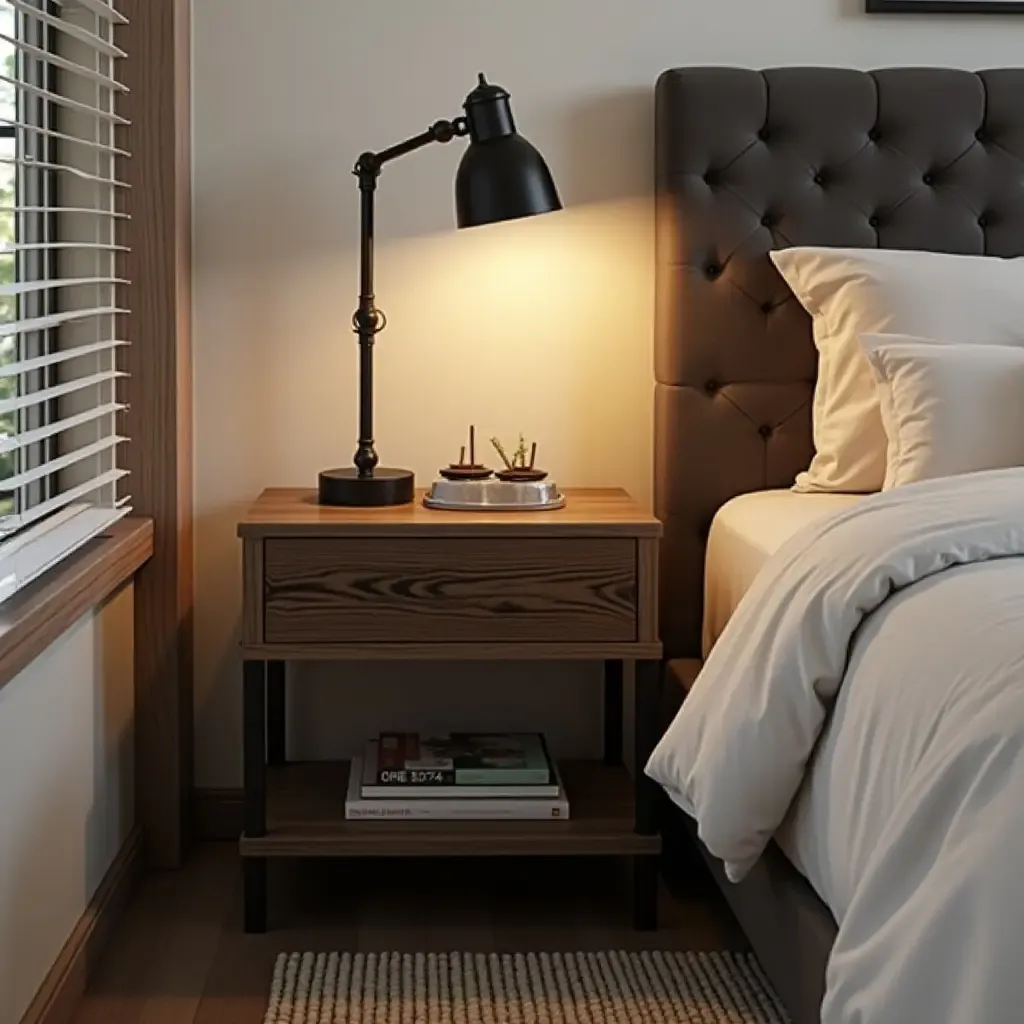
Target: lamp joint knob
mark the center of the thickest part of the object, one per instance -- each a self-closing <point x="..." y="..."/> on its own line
<point x="367" y="168"/>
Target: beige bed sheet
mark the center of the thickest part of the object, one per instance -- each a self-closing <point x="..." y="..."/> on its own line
<point x="746" y="531"/>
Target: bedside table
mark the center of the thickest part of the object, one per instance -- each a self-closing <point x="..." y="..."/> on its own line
<point x="409" y="582"/>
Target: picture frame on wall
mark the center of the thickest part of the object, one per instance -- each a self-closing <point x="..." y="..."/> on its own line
<point x="945" y="6"/>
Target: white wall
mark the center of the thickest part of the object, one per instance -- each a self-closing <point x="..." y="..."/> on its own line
<point x="542" y="326"/>
<point x="66" y="790"/>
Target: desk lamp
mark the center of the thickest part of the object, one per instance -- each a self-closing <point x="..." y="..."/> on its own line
<point x="500" y="177"/>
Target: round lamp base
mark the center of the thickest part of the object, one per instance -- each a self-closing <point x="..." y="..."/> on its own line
<point x="346" y="487"/>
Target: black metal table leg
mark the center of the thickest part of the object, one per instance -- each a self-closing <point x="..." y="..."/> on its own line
<point x="645" y="736"/>
<point x="613" y="712"/>
<point x="254" y="812"/>
<point x="276" y="746"/>
<point x="648" y="797"/>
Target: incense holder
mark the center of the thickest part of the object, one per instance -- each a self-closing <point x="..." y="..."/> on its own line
<point x="494" y="496"/>
<point x="521" y="475"/>
<point x="465" y="472"/>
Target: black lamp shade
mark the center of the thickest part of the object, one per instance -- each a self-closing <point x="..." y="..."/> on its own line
<point x="502" y="179"/>
<point x="501" y="176"/>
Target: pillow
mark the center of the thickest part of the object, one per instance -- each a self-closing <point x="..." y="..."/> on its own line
<point x="850" y="292"/>
<point x="947" y="409"/>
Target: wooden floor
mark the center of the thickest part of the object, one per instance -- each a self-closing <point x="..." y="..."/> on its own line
<point x="180" y="957"/>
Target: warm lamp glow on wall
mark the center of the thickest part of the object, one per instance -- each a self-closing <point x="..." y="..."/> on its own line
<point x="501" y="177"/>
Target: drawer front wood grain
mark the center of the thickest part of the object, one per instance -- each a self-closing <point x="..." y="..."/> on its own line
<point x="384" y="590"/>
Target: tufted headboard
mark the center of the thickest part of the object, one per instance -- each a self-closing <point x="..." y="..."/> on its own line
<point x="747" y="161"/>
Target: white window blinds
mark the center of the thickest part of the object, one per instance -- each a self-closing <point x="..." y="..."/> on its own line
<point x="61" y="300"/>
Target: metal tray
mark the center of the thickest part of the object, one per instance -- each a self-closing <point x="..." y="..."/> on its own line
<point x="494" y="496"/>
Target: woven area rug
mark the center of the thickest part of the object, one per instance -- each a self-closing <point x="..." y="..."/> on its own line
<point x="526" y="988"/>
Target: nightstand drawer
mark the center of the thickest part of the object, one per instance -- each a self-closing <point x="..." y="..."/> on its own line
<point x="449" y="589"/>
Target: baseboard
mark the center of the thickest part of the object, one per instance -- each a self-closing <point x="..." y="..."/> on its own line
<point x="65" y="984"/>
<point x="217" y="813"/>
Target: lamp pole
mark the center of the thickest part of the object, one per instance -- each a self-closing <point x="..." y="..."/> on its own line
<point x="368" y="321"/>
<point x="367" y="485"/>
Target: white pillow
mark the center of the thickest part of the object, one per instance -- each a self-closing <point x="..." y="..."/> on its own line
<point x="947" y="409"/>
<point x="850" y="292"/>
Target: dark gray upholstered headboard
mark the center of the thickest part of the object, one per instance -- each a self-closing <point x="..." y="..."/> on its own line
<point x="747" y="161"/>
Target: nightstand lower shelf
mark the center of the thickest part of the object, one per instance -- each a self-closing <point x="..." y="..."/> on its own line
<point x="306" y="818"/>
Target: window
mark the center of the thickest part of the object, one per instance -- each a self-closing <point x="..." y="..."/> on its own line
<point x="60" y="308"/>
<point x="8" y="269"/>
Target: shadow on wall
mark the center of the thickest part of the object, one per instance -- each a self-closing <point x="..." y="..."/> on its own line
<point x="66" y="726"/>
<point x="608" y="153"/>
<point x="111" y="815"/>
<point x="852" y="8"/>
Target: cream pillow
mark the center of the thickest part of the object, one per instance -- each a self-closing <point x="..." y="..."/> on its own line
<point x="947" y="409"/>
<point x="850" y="292"/>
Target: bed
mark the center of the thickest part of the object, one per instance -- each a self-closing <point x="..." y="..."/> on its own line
<point x="746" y="162"/>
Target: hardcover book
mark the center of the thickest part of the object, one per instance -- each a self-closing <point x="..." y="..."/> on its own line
<point x="429" y="808"/>
<point x="463" y="759"/>
<point x="372" y="789"/>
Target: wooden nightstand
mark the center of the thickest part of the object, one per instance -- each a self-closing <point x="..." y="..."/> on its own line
<point x="408" y="582"/>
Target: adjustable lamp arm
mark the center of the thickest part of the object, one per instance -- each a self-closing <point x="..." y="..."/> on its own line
<point x="439" y="131"/>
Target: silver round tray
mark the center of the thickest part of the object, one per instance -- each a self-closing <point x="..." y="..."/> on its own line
<point x="493" y="496"/>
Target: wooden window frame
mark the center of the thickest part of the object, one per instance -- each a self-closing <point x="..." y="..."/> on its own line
<point x="159" y="420"/>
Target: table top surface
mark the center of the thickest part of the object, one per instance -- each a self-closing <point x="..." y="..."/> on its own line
<point x="588" y="512"/>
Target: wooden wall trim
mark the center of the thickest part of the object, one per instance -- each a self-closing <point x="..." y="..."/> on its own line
<point x="159" y="421"/>
<point x="65" y="983"/>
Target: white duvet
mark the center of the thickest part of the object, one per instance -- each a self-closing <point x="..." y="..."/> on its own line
<point x="905" y="615"/>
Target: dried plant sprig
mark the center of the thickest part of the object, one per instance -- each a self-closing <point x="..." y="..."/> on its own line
<point x="499" y="448"/>
<point x="520" y="456"/>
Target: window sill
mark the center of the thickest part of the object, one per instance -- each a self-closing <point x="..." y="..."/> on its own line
<point x="36" y="616"/>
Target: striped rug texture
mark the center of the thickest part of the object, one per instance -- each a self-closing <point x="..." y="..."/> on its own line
<point x="521" y="988"/>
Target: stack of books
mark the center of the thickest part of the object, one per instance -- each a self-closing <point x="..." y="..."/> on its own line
<point x="459" y="777"/>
